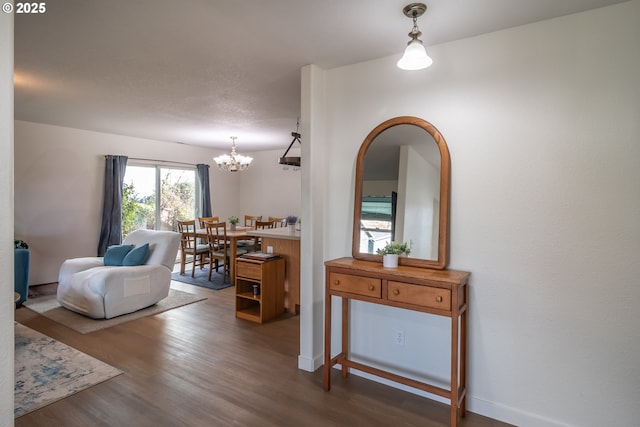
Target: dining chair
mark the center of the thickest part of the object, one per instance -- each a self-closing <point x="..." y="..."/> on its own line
<point x="261" y="225"/>
<point x="189" y="245"/>
<point x="204" y="219"/>
<point x="250" y="220"/>
<point x="219" y="247"/>
<point x="278" y="221"/>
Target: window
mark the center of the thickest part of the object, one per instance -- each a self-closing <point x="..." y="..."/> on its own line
<point x="377" y="223"/>
<point x="156" y="197"/>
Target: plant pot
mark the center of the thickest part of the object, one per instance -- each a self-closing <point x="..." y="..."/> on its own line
<point x="232" y="227"/>
<point x="390" y="261"/>
<point x="292" y="227"/>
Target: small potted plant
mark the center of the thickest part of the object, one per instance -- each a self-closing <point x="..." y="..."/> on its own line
<point x="233" y="221"/>
<point x="291" y="222"/>
<point x="391" y="251"/>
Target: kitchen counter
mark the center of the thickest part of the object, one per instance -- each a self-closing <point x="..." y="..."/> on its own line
<point x="287" y="245"/>
<point x="278" y="233"/>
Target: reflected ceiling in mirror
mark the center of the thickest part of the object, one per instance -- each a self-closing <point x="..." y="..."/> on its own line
<point x="402" y="192"/>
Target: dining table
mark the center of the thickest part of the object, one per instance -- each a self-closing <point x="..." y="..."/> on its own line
<point x="233" y="236"/>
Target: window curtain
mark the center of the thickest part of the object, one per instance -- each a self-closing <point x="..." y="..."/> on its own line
<point x="111" y="228"/>
<point x="205" y="193"/>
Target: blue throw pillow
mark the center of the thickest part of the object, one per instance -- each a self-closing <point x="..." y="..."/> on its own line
<point x="116" y="253"/>
<point x="137" y="256"/>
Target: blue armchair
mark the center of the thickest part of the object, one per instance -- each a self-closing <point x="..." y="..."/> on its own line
<point x="21" y="273"/>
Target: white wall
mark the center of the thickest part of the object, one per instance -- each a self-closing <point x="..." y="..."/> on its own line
<point x="7" y="382"/>
<point x="59" y="176"/>
<point x="542" y="122"/>
<point x="419" y="186"/>
<point x="268" y="189"/>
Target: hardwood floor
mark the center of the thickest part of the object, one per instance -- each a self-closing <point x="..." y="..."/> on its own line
<point x="199" y="366"/>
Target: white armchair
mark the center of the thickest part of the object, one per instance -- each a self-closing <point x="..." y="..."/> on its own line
<point x="87" y="286"/>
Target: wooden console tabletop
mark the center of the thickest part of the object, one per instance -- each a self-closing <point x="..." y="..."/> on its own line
<point x="439" y="292"/>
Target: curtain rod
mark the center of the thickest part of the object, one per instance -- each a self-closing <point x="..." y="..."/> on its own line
<point x="159" y="161"/>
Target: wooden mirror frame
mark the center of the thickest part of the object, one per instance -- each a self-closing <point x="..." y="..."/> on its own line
<point x="445" y="173"/>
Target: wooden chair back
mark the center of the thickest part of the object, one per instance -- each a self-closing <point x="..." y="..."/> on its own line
<point x="189" y="245"/>
<point x="218" y="245"/>
<point x="187" y="230"/>
<point x="264" y="224"/>
<point x="250" y="220"/>
<point x="278" y="221"/>
<point x="204" y="219"/>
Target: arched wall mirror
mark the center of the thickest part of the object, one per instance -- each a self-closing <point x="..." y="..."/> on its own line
<point x="402" y="192"/>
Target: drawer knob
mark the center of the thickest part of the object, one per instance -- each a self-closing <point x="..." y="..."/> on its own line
<point x="396" y="292"/>
<point x="439" y="298"/>
<point x="336" y="282"/>
<point x="371" y="287"/>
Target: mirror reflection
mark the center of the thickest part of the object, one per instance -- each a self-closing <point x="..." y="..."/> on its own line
<point x="401" y="192"/>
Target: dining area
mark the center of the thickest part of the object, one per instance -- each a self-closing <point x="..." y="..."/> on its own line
<point x="212" y="245"/>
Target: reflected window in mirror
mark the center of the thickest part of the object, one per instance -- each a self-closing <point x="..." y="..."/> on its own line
<point x="378" y="219"/>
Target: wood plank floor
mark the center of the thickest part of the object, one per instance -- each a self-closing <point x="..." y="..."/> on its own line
<point x="199" y="366"/>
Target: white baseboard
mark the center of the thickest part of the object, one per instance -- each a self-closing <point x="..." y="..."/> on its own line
<point x="310" y="364"/>
<point x="486" y="408"/>
<point x="510" y="414"/>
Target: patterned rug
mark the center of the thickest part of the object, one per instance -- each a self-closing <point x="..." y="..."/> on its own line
<point x="202" y="279"/>
<point x="47" y="370"/>
<point x="49" y="307"/>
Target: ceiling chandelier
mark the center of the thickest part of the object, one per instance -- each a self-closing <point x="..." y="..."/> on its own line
<point x="415" y="56"/>
<point x="291" y="161"/>
<point x="234" y="162"/>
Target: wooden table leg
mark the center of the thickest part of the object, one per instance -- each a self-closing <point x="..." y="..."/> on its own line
<point x="232" y="260"/>
<point x="327" y="340"/>
<point x="345" y="333"/>
<point x="454" y="358"/>
<point x="463" y="352"/>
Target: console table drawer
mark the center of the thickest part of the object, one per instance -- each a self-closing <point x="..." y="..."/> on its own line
<point x="419" y="295"/>
<point x="360" y="285"/>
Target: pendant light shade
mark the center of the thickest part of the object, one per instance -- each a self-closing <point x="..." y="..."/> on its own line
<point x="415" y="55"/>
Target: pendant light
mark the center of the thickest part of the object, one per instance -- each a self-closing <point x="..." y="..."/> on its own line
<point x="415" y="56"/>
<point x="291" y="160"/>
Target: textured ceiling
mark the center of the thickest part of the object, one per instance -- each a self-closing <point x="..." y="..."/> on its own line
<point x="199" y="71"/>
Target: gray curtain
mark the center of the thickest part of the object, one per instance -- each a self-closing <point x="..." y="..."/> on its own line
<point x="111" y="228"/>
<point x="205" y="193"/>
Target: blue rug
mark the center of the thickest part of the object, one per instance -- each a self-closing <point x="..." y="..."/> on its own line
<point x="47" y="370"/>
<point x="202" y="279"/>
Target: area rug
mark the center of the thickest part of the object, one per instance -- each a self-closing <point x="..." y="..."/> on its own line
<point x="49" y="307"/>
<point x="47" y="370"/>
<point x="202" y="279"/>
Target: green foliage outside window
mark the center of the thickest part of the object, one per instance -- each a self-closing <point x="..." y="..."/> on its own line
<point x="176" y="204"/>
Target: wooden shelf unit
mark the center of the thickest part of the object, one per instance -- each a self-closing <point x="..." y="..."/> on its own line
<point x="439" y="292"/>
<point x="268" y="276"/>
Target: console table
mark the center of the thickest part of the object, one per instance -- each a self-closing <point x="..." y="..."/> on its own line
<point x="439" y="292"/>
